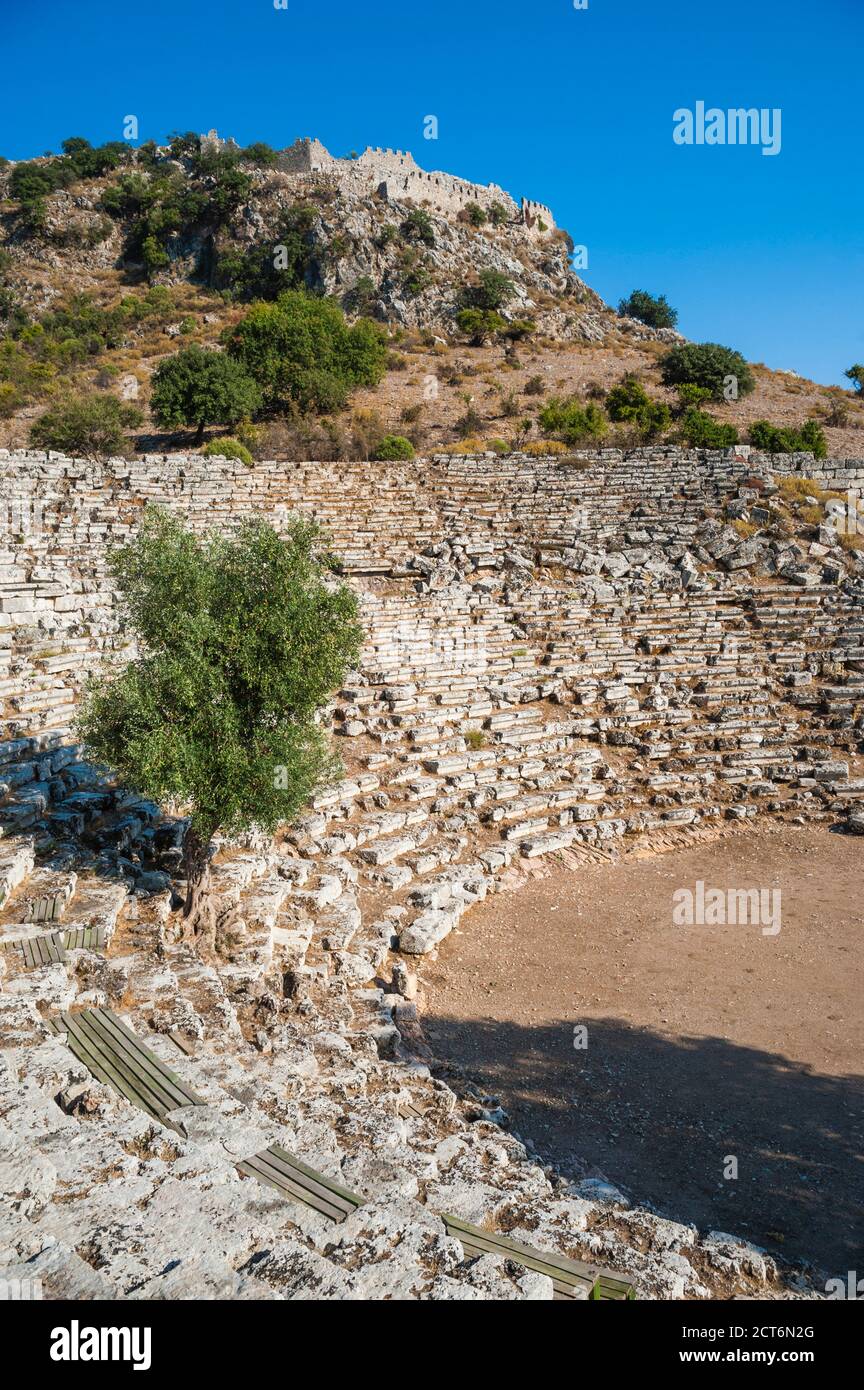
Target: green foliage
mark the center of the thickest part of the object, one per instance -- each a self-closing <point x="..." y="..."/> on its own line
<point x="498" y="215"/>
<point x="92" y="426"/>
<point x="222" y="182"/>
<point x="774" y="439"/>
<point x="228" y="448"/>
<point x="709" y="365"/>
<point x="30" y="183"/>
<point x="567" y="419"/>
<point x="240" y="642"/>
<point x="493" y="292"/>
<point x="480" y="324"/>
<point x="184" y="146"/>
<point x="394" y="446"/>
<point x="416" y="273"/>
<point x="417" y="226"/>
<point x="260" y="154"/>
<point x="629" y="403"/>
<point x="36" y="353"/>
<point x="264" y="272"/>
<point x="299" y="347"/>
<point x="386" y="236"/>
<point x="362" y="297"/>
<point x="161" y="201"/>
<point x="702" y="431"/>
<point x="855" y="374"/>
<point x="689" y="394"/>
<point x="654" y="310"/>
<point x="517" y="330"/>
<point x="474" y="214"/>
<point x="198" y="386"/>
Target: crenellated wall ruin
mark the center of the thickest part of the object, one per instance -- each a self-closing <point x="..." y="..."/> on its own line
<point x="396" y="174"/>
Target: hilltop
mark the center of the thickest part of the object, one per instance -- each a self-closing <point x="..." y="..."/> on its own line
<point x="113" y="258"/>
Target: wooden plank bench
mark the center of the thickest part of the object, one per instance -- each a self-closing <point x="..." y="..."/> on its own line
<point x="571" y="1279"/>
<point x="39" y="950"/>
<point x="84" y="938"/>
<point x="277" y="1168"/>
<point x="115" y="1056"/>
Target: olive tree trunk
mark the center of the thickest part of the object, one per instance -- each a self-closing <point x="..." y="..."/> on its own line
<point x="199" y="914"/>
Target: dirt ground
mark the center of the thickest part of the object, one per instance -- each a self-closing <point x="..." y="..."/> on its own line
<point x="704" y="1043"/>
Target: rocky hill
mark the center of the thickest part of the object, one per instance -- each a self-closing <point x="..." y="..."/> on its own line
<point x="110" y="259"/>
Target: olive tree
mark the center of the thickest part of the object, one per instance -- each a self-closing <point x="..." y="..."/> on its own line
<point x="198" y="386"/>
<point x="240" y="640"/>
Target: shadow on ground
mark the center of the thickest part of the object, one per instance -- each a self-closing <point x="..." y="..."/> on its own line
<point x="660" y="1117"/>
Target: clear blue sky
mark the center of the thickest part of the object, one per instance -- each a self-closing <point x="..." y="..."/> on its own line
<point x="571" y="107"/>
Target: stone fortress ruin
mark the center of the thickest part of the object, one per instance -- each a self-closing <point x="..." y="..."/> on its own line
<point x="562" y="656"/>
<point x="394" y="174"/>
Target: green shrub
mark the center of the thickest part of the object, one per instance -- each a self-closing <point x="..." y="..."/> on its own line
<point x="498" y="215"/>
<point x="480" y="324"/>
<point x="772" y="439"/>
<point x="493" y="291"/>
<point x="654" y="310"/>
<point x="228" y="448"/>
<point x="240" y="641"/>
<point x="284" y="344"/>
<point x="89" y="426"/>
<point x="572" y="422"/>
<point x="689" y="394"/>
<point x="629" y="403"/>
<point x="474" y="214"/>
<point x="702" y="431"/>
<point x="200" y="387"/>
<point x="708" y="365"/>
<point x="417" y="226"/>
<point x="394" y="446"/>
<point x="261" y="154"/>
<point x="362" y="297"/>
<point x="856" y="375"/>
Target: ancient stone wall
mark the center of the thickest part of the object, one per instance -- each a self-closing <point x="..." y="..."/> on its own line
<point x="60" y="516"/>
<point x="398" y="176"/>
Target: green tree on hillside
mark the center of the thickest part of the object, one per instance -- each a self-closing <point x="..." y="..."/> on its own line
<point x="655" y="310"/>
<point x="720" y="370"/>
<point x="198" y="386"/>
<point x="302" y="352"/>
<point x="91" y="427"/>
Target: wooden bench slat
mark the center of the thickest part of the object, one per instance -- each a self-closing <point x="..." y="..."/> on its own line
<point x="553" y="1264"/>
<point x="105" y="1068"/>
<point x="156" y="1099"/>
<point x="121" y="1068"/>
<point x="571" y="1279"/>
<point x="351" y="1199"/>
<point x="290" y="1188"/>
<point x="125" y="1042"/>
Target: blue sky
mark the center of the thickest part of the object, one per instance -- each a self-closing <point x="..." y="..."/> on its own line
<point x="571" y="107"/>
